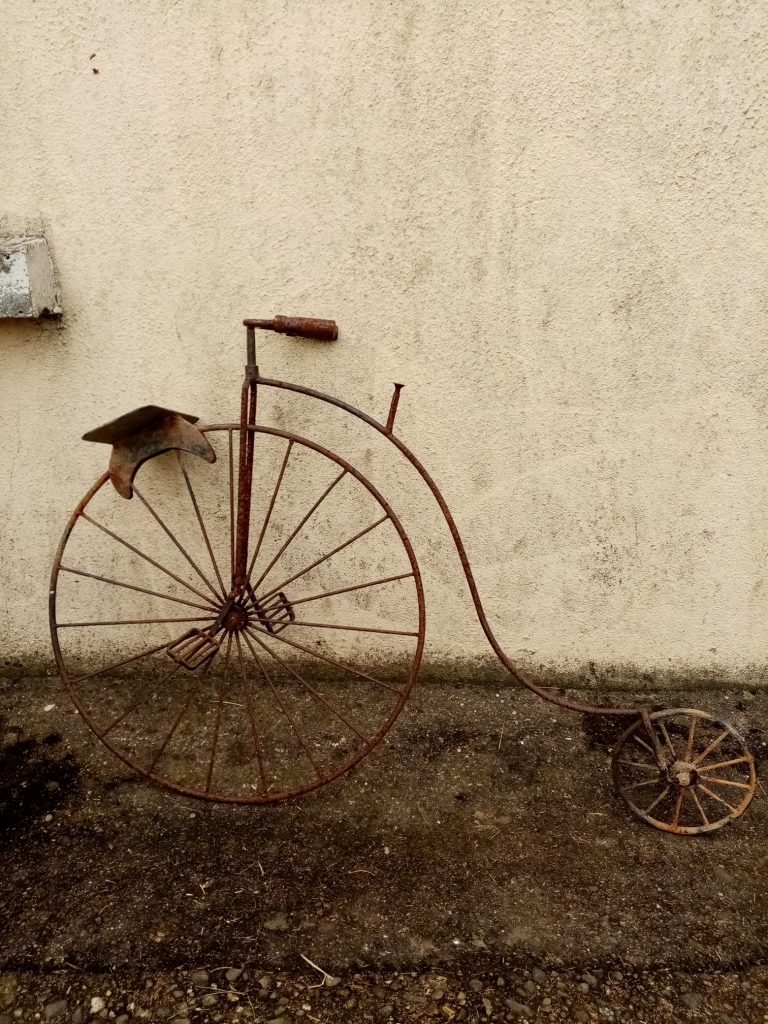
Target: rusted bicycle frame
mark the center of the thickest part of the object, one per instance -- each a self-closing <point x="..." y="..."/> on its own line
<point x="148" y="431"/>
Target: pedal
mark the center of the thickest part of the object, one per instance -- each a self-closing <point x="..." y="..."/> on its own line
<point x="192" y="649"/>
<point x="274" y="613"/>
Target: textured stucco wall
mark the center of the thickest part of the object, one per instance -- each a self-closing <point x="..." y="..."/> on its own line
<point x="548" y="219"/>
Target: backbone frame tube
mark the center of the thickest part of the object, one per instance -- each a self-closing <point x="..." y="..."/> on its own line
<point x="386" y="431"/>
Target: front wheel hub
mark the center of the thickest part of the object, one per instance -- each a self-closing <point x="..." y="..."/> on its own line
<point x="682" y="773"/>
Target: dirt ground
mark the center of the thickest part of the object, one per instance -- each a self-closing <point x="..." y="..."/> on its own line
<point x="475" y="867"/>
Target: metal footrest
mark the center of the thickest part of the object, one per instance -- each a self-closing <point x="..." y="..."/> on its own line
<point x="274" y="613"/>
<point x="192" y="649"/>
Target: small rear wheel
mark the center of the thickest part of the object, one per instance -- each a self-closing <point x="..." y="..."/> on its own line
<point x="684" y="771"/>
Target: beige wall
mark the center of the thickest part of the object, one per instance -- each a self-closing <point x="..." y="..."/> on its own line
<point x="549" y="219"/>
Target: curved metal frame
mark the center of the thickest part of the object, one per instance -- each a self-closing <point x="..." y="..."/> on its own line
<point x="387" y="431"/>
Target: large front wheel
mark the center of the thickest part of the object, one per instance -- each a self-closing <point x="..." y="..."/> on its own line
<point x="259" y="698"/>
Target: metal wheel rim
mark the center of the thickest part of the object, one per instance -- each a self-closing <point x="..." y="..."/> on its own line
<point x="166" y="783"/>
<point x="694" y="714"/>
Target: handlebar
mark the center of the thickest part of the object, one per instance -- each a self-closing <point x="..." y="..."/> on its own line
<point x="298" y="326"/>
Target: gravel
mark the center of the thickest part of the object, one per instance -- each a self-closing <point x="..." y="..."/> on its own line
<point x="736" y="996"/>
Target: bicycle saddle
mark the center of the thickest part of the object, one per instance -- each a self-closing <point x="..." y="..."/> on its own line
<point x="142" y="434"/>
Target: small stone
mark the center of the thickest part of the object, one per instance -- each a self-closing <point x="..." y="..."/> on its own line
<point x="265" y="982"/>
<point x="438" y="994"/>
<point x="529" y="987"/>
<point x="283" y="1019"/>
<point x="233" y="973"/>
<point x="52" y="785"/>
<point x="583" y="987"/>
<point x="278" y="923"/>
<point x="385" y="1010"/>
<point x="519" y="1008"/>
<point x="9" y="988"/>
<point x="616" y="976"/>
<point x="77" y="1016"/>
<point x="209" y="999"/>
<point x="580" y="1015"/>
<point x="539" y="976"/>
<point x="178" y="993"/>
<point x="416" y="998"/>
<point x="330" y="982"/>
<point x="476" y="985"/>
<point x="199" y="979"/>
<point x="122" y="1019"/>
<point x="692" y="1000"/>
<point x="500" y="982"/>
<point x="97" y="1005"/>
<point x="55" y="1009"/>
<point x="590" y="979"/>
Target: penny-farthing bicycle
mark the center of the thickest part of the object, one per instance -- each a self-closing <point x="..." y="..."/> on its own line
<point x="247" y="630"/>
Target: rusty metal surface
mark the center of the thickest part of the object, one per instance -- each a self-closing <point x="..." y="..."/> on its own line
<point x="298" y="327"/>
<point x="142" y="434"/>
<point x="239" y="632"/>
<point x="674" y="759"/>
<point x="684" y="771"/>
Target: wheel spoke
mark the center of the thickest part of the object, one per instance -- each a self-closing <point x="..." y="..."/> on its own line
<point x="131" y="586"/>
<point x="231" y="506"/>
<point x="347" y="590"/>
<point x="187" y="481"/>
<point x="324" y="558"/>
<point x="134" y="622"/>
<point x="689" y="743"/>
<point x="724" y="764"/>
<point x="642" y="743"/>
<point x="317" y="695"/>
<point x="658" y="800"/>
<point x="355" y="629"/>
<point x="217" y="721"/>
<point x="324" y="657"/>
<point x="119" y="664"/>
<point x="298" y="733"/>
<point x="669" y="742"/>
<point x="714" y="796"/>
<point x="172" y="730"/>
<point x="306" y="518"/>
<point x="678" y="803"/>
<point x="185" y="707"/>
<point x="170" y="534"/>
<point x="724" y="782"/>
<point x="715" y="743"/>
<point x="132" y="707"/>
<point x="696" y="800"/>
<point x="146" y="558"/>
<point x="268" y="516"/>
<point x="639" y="764"/>
<point x="252" y="717"/>
<point x="641" y="785"/>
